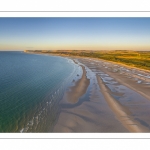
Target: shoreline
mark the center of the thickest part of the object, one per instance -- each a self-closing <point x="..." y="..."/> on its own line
<point x="75" y="118"/>
<point x="89" y="106"/>
<point x="79" y="89"/>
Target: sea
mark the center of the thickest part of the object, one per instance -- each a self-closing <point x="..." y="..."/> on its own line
<point x="31" y="87"/>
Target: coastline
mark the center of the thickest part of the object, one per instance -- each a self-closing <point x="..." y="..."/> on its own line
<point x="85" y="116"/>
<point x="79" y="89"/>
<point x="89" y="105"/>
<point x="92" y="58"/>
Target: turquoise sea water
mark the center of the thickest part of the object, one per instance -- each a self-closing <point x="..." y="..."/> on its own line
<point x="31" y="87"/>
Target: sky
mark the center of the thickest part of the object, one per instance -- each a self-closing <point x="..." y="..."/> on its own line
<point x="75" y="33"/>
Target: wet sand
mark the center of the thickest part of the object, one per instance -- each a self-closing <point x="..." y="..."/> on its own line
<point x="107" y="98"/>
<point x="123" y="114"/>
<point x="75" y="92"/>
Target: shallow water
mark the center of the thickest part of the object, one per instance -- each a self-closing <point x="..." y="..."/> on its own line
<point x="31" y="87"/>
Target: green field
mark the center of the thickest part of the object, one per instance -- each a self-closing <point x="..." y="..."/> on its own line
<point x="140" y="59"/>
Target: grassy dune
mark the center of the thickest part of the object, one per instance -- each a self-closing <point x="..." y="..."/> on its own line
<point x="140" y="59"/>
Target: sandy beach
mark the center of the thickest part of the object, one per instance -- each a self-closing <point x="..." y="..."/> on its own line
<point x="107" y="98"/>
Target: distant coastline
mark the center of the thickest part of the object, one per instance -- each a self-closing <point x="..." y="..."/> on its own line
<point x="133" y="59"/>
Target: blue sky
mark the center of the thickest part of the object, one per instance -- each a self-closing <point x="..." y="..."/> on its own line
<point x="75" y="33"/>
